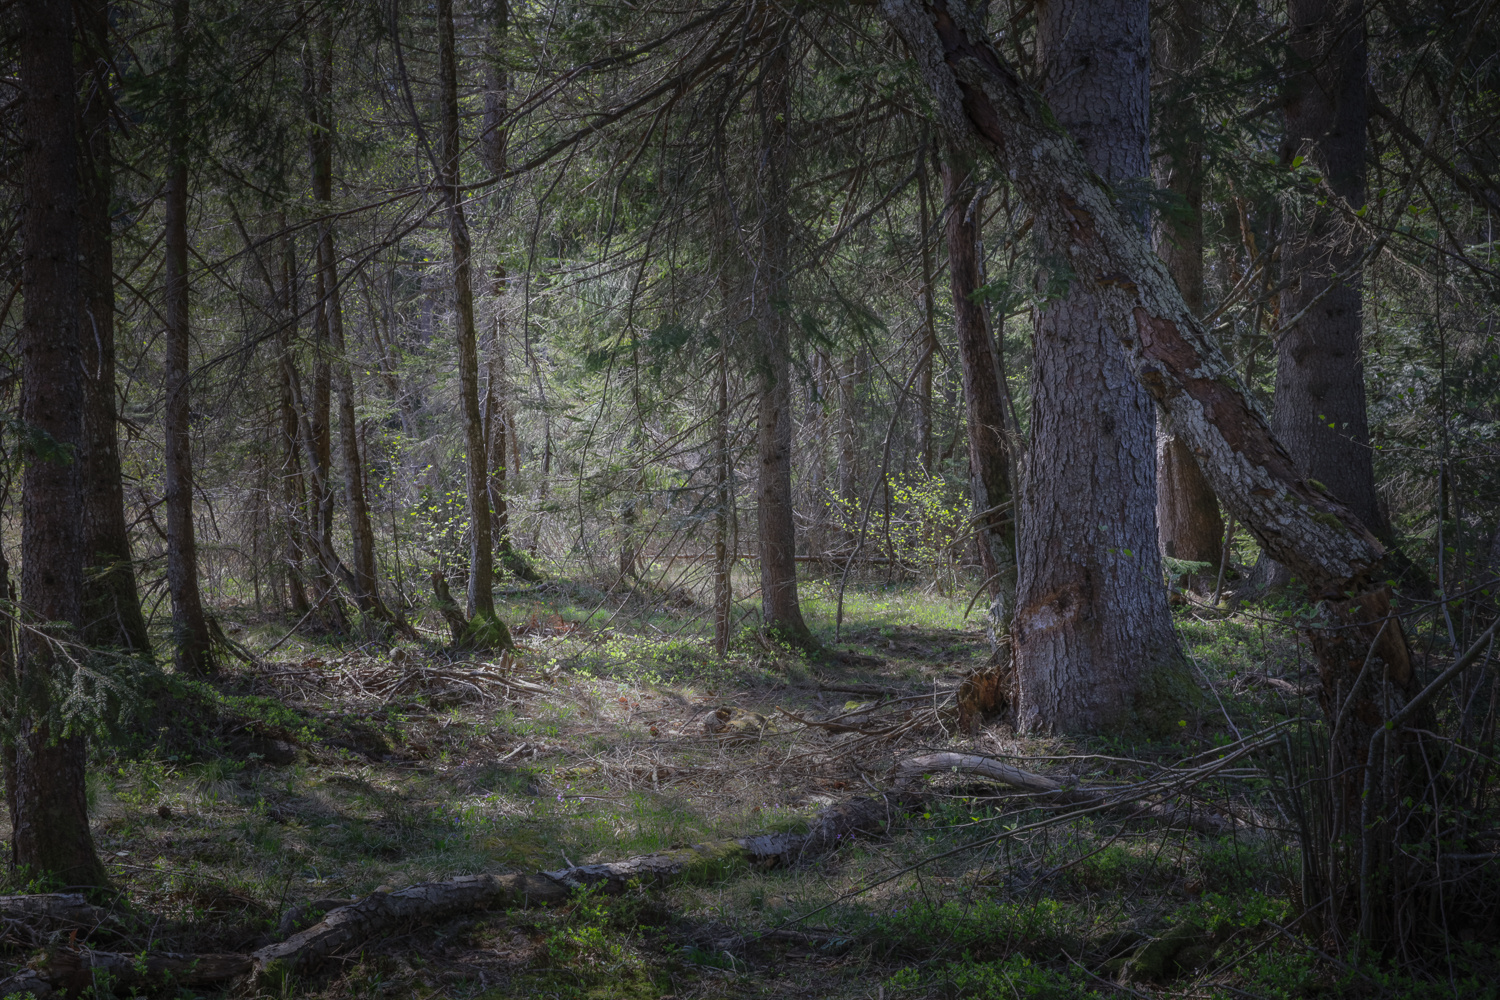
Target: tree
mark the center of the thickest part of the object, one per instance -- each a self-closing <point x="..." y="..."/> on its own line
<point x="984" y="391"/>
<point x="778" y="532"/>
<point x="1319" y="406"/>
<point x="44" y="758"/>
<point x="193" y="644"/>
<point x="983" y="103"/>
<point x="487" y="629"/>
<point x="1189" y="525"/>
<point x="1093" y="635"/>
<point x="112" y="604"/>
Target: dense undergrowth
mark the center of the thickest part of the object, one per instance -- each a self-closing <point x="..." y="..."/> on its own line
<point x="230" y="801"/>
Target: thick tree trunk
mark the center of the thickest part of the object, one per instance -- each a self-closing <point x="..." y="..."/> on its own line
<point x="1189" y="525"/>
<point x="481" y="548"/>
<point x="981" y="101"/>
<point x="1094" y="640"/>
<point x="492" y="140"/>
<point x="44" y="769"/>
<point x="984" y="396"/>
<point x="778" y="532"/>
<point x="365" y="588"/>
<point x="194" y="647"/>
<point x="1318" y="412"/>
<point x="112" y="603"/>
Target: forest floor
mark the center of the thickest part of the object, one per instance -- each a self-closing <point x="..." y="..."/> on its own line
<point x="333" y="770"/>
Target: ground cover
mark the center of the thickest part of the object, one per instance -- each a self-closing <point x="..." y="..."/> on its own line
<point x="251" y="806"/>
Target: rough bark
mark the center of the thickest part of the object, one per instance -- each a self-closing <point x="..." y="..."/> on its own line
<point x="1318" y="412"/>
<point x="984" y="395"/>
<point x="112" y="602"/>
<point x="481" y="547"/>
<point x="780" y="607"/>
<point x="193" y="646"/>
<point x="1189" y="525"/>
<point x="44" y="769"/>
<point x="329" y="317"/>
<point x="1093" y="635"/>
<point x="981" y="101"/>
<point x="293" y="485"/>
<point x="927" y="349"/>
<point x="492" y="139"/>
<point x="724" y="548"/>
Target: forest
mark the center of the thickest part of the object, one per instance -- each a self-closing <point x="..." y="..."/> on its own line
<point x="791" y="498"/>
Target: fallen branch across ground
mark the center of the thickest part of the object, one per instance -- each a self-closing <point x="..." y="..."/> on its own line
<point x="1127" y="797"/>
<point x="344" y="928"/>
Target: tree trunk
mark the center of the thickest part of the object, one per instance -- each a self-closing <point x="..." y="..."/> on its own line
<point x="194" y="648"/>
<point x="724" y="547"/>
<point x="849" y="374"/>
<point x="1318" y="411"/>
<point x="481" y="549"/>
<point x="293" y="485"/>
<point x="496" y="92"/>
<point x="1094" y="639"/>
<point x="984" y="396"/>
<point x="1189" y="526"/>
<point x="111" y="601"/>
<point x="778" y="532"/>
<point x="981" y="101"/>
<point x="44" y="769"/>
<point x="927" y="349"/>
<point x="365" y="588"/>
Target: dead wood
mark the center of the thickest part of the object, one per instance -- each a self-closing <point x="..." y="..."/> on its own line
<point x="1127" y="798"/>
<point x="345" y="927"/>
<point x="77" y="970"/>
<point x="1281" y="684"/>
<point x="52" y="910"/>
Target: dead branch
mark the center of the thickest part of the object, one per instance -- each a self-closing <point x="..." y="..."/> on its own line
<point x="1129" y="797"/>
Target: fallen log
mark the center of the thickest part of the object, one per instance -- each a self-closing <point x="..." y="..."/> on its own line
<point x="1127" y="798"/>
<point x="343" y="929"/>
<point x="76" y="971"/>
<point x="53" y="909"/>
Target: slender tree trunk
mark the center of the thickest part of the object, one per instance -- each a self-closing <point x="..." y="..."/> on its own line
<point x="927" y="345"/>
<point x="984" y="396"/>
<point x="982" y="102"/>
<point x="1319" y="407"/>
<point x="365" y="588"/>
<point x="293" y="486"/>
<point x="1189" y="525"/>
<point x="848" y="374"/>
<point x="778" y="532"/>
<point x="481" y="549"/>
<point x="112" y="604"/>
<point x="723" y="509"/>
<point x="194" y="648"/>
<point x="1093" y="632"/>
<point x="44" y="769"/>
<point x="496" y="91"/>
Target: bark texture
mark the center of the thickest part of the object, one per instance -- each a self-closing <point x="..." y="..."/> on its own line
<point x="44" y="769"/>
<point x="112" y="603"/>
<point x="193" y="651"/>
<point x="780" y="607"/>
<point x="1319" y="407"/>
<point x="481" y="545"/>
<point x="1189" y="524"/>
<point x="329" y="318"/>
<point x="984" y="394"/>
<point x="1093" y="635"/>
<point x="980" y="100"/>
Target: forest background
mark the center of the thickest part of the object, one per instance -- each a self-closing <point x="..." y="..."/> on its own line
<point x="427" y="334"/>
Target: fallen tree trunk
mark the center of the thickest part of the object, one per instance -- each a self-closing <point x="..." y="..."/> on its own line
<point x="76" y="971"/>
